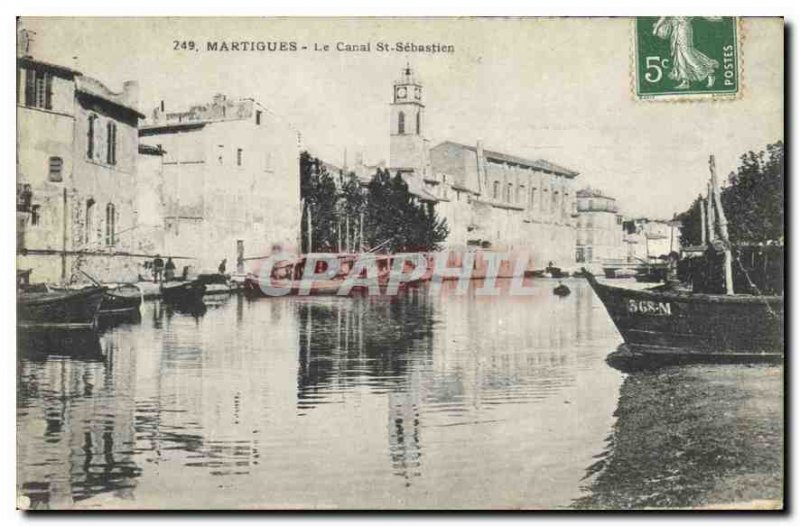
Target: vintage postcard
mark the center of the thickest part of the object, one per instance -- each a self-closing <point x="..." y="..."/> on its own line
<point x="400" y="263"/>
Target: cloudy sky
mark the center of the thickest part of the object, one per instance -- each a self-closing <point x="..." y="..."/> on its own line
<point x="558" y="89"/>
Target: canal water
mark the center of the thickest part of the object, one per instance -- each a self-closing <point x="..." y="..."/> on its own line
<point x="414" y="401"/>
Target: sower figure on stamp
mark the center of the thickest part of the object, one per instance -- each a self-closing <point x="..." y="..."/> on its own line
<point x="688" y="63"/>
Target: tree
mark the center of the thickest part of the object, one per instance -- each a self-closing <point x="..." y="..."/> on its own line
<point x="397" y="220"/>
<point x="393" y="218"/>
<point x="318" y="191"/>
<point x="753" y="201"/>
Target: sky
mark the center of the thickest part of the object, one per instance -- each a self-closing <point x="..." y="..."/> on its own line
<point x="558" y="89"/>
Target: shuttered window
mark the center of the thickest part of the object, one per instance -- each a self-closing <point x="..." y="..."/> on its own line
<point x="111" y="225"/>
<point x="111" y="143"/>
<point x="56" y="166"/>
<point x="38" y="89"/>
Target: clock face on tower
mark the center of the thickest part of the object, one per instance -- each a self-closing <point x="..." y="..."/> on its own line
<point x="401" y="92"/>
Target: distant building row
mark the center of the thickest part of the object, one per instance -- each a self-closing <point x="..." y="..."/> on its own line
<point x="100" y="191"/>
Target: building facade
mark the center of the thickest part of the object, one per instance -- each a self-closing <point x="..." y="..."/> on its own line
<point x="650" y="238"/>
<point x="76" y="170"/>
<point x="231" y="182"/>
<point x="491" y="200"/>
<point x="599" y="228"/>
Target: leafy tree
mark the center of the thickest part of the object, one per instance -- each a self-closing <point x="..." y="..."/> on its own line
<point x="393" y="218"/>
<point x="318" y="191"/>
<point x="397" y="219"/>
<point x="352" y="204"/>
<point x="753" y="201"/>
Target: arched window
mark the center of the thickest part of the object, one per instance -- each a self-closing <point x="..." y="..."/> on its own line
<point x="509" y="187"/>
<point x="533" y="198"/>
<point x="111" y="225"/>
<point x="554" y="206"/>
<point x="111" y="143"/>
<point x="419" y="124"/>
<point x="495" y="190"/>
<point x="89" y="235"/>
<point x="90" y="137"/>
<point x="401" y="123"/>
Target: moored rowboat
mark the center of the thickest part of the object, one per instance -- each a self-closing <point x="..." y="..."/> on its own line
<point x="183" y="291"/>
<point x="121" y="299"/>
<point x="65" y="309"/>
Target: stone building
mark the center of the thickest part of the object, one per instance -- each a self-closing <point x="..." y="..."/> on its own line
<point x="231" y="182"/>
<point x="599" y="228"/>
<point x="76" y="168"/>
<point x="491" y="200"/>
<point x="650" y="238"/>
<point x="149" y="200"/>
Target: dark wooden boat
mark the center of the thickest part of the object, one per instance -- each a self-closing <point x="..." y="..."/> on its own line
<point x="40" y="307"/>
<point x="183" y="292"/>
<point x="121" y="299"/>
<point x="652" y="274"/>
<point x="215" y="283"/>
<point x="701" y="326"/>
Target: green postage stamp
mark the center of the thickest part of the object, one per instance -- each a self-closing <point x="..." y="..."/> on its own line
<point x="679" y="57"/>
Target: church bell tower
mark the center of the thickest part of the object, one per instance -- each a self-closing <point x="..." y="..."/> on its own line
<point x="407" y="145"/>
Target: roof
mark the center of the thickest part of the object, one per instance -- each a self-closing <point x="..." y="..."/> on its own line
<point x="95" y="88"/>
<point x="157" y="129"/>
<point x="537" y="164"/>
<point x="592" y="192"/>
<point x="62" y="70"/>
<point x="84" y="84"/>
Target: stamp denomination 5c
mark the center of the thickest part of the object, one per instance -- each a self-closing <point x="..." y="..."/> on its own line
<point x="686" y="57"/>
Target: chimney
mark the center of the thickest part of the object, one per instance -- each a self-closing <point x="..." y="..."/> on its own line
<point x="130" y="93"/>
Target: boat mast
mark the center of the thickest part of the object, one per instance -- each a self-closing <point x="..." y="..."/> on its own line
<point x="723" y="226"/>
<point x="712" y="235"/>
<point x="702" y="221"/>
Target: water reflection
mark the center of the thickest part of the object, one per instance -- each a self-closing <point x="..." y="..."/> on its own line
<point x="74" y="417"/>
<point x="415" y="401"/>
<point x="692" y="436"/>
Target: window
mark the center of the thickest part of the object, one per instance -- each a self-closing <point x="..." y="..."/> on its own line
<point x="38" y="89"/>
<point x="401" y="123"/>
<point x="56" y="166"/>
<point x="90" y="137"/>
<point x="533" y="199"/>
<point x="24" y="196"/>
<point x="88" y="234"/>
<point x="111" y="225"/>
<point x="419" y="124"/>
<point x="509" y="187"/>
<point x="495" y="190"/>
<point x="238" y="156"/>
<point x="258" y="117"/>
<point x="111" y="143"/>
<point x="520" y="194"/>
